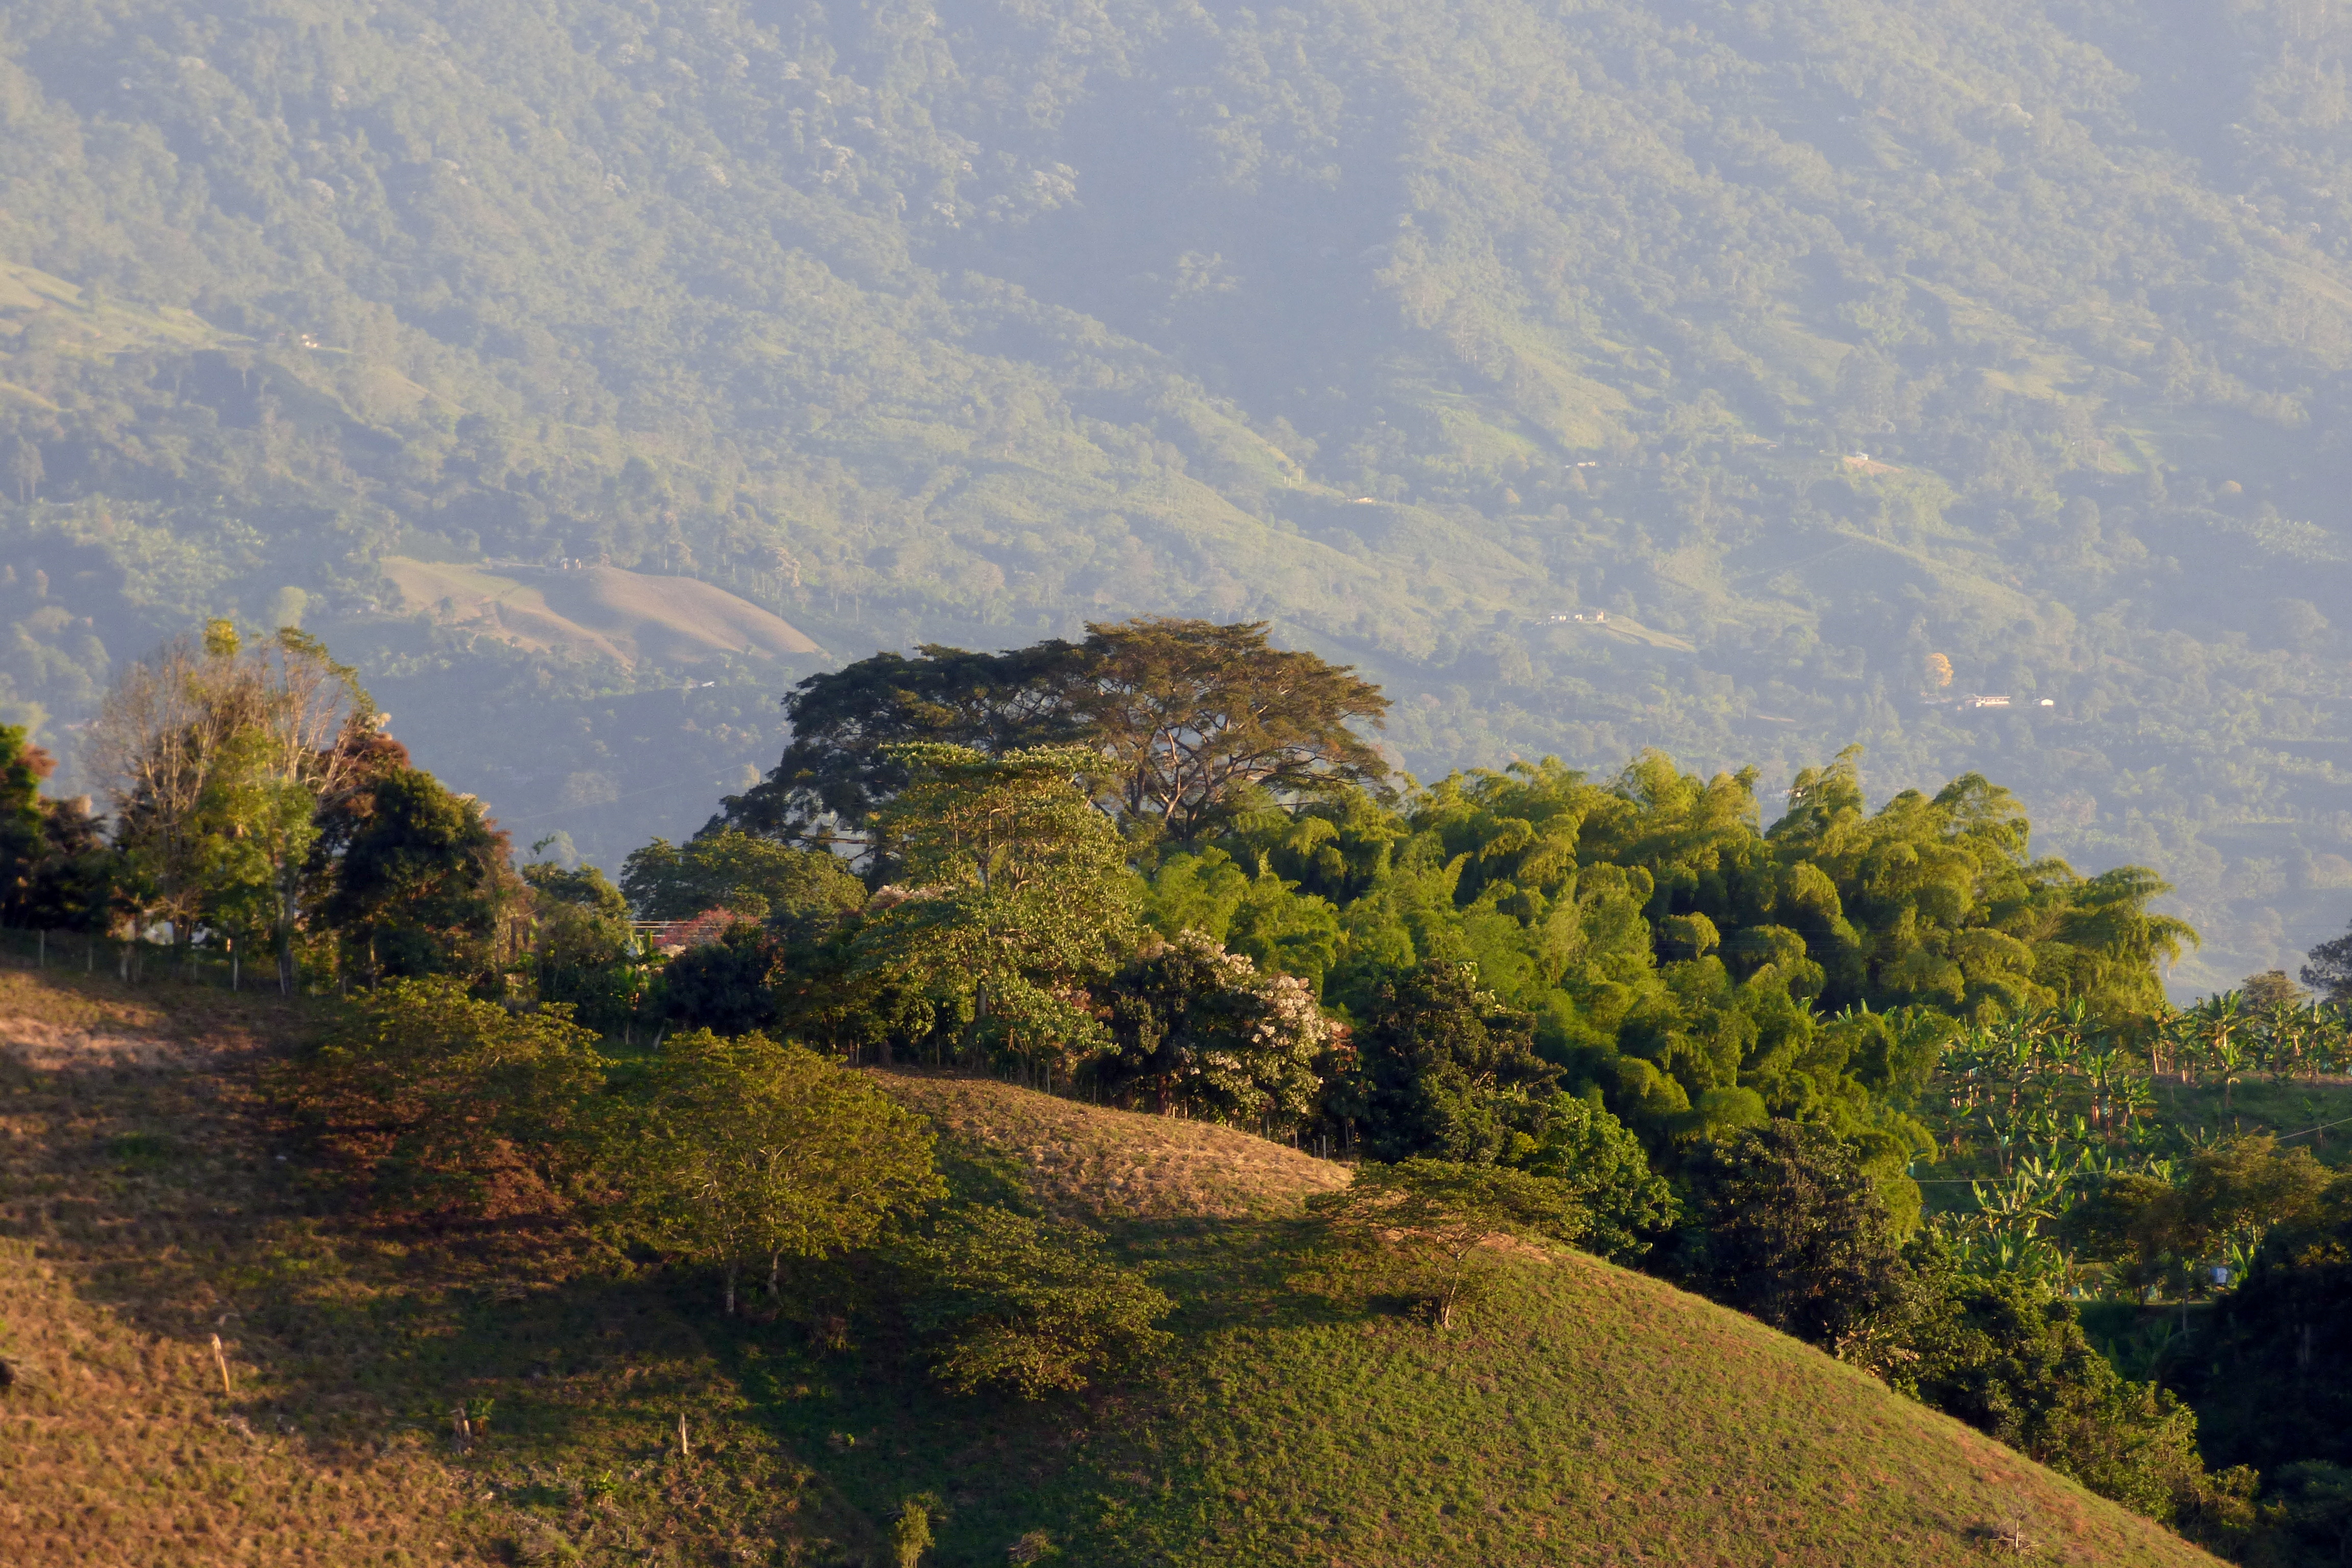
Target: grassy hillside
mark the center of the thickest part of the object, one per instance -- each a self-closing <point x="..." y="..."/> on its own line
<point x="1099" y="1165"/>
<point x="147" y="1200"/>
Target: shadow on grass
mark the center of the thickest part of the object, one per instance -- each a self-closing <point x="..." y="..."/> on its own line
<point x="552" y="1374"/>
<point x="548" y="1375"/>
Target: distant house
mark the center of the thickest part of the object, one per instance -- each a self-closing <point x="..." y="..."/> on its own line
<point x="1979" y="702"/>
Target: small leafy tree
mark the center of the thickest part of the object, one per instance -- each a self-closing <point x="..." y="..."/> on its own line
<point x="1020" y="1304"/>
<point x="910" y="1533"/>
<point x="739" y="1153"/>
<point x="256" y="827"/>
<point x="1434" y="1222"/>
<point x="54" y="869"/>
<point x="422" y="881"/>
<point x="582" y="949"/>
<point x="23" y="766"/>
<point x="439" y="1097"/>
<point x="1444" y="1069"/>
<point x="1605" y="1169"/>
<point x="1017" y="897"/>
<point x="1788" y="1227"/>
<point x="727" y="985"/>
<point x="215" y="755"/>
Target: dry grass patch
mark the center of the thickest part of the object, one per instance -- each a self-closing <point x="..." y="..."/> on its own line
<point x="118" y="1447"/>
<point x="57" y="1020"/>
<point x="599" y="612"/>
<point x="151" y="1199"/>
<point x="1089" y="1163"/>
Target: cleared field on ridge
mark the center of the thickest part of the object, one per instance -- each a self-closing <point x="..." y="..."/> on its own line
<point x="598" y="612"/>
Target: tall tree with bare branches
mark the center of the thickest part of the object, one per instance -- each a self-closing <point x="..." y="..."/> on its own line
<point x="215" y="755"/>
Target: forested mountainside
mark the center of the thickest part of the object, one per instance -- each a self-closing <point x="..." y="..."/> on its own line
<point x="1803" y="342"/>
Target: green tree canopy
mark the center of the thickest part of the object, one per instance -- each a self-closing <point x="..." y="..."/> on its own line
<point x="1202" y="1031"/>
<point x="743" y="1153"/>
<point x="803" y="893"/>
<point x="727" y="985"/>
<point x="1016" y="897"/>
<point x="422" y="880"/>
<point x="1029" y="1306"/>
<point x="1432" y="1222"/>
<point x="1195" y="718"/>
<point x="2010" y="1359"/>
<point x="1443" y="1070"/>
<point x="443" y="1099"/>
<point x="54" y="872"/>
<point x="841" y="765"/>
<point x="1790" y="1229"/>
<point x="216" y="756"/>
<point x="1191" y="719"/>
<point x="1606" y="1171"/>
<point x="582" y="949"/>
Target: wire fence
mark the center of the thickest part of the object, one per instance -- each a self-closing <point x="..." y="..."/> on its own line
<point x="134" y="961"/>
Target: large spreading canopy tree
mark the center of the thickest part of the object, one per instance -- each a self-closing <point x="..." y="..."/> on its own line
<point x="1186" y="719"/>
<point x="1192" y="716"/>
<point x="842" y="764"/>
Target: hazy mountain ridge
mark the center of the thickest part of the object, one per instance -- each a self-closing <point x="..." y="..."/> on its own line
<point x="967" y="322"/>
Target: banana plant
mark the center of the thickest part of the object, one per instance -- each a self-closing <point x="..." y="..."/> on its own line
<point x="2217" y="1023"/>
<point x="2230" y="1063"/>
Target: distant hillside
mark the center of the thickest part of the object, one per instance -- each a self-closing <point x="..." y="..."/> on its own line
<point x="597" y="611"/>
<point x="148" y="1201"/>
<point x="1410" y="327"/>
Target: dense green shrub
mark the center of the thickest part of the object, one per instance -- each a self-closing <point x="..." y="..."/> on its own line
<point x="1028" y="1306"/>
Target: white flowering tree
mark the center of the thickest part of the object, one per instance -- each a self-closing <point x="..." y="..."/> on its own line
<point x="1205" y="1032"/>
